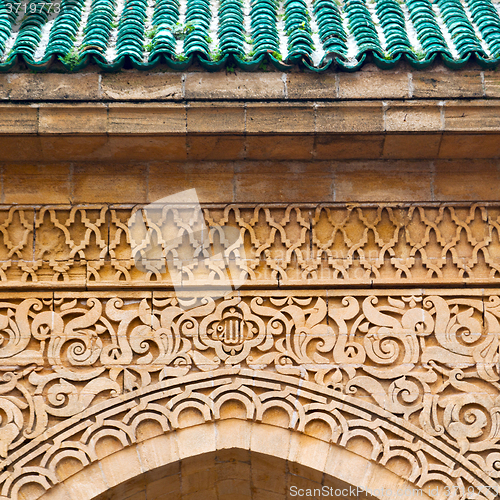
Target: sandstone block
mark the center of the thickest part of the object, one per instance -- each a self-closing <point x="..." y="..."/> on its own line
<point x="85" y="119"/>
<point x="312" y="86"/>
<point x="86" y="484"/>
<point x="215" y="147"/>
<point x="302" y="483"/>
<point x="345" y="118"/>
<point x="374" y="85"/>
<point x="213" y="118"/>
<point x="412" y="117"/>
<point x="279" y="147"/>
<point x="227" y="471"/>
<point x="268" y="480"/>
<point x="298" y="471"/>
<point x="413" y="146"/>
<point x="379" y="182"/>
<point x="492" y="83"/>
<point x="158" y="451"/>
<point x="21" y="148"/>
<point x="466" y="180"/>
<point x="59" y="492"/>
<point x="203" y="479"/>
<point x="49" y="183"/>
<point x="141" y="86"/>
<point x="447" y="84"/>
<point x="113" y="182"/>
<point x="121" y="467"/>
<point x="158" y="119"/>
<point x="348" y="467"/>
<point x="337" y="147"/>
<point x="308" y="451"/>
<point x="231" y="429"/>
<point x="50" y="86"/>
<point x="237" y="85"/>
<point x="471" y="117"/>
<point x="279" y="118"/>
<point x="213" y="181"/>
<point x="127" y="148"/>
<point x="196" y="440"/>
<point x="165" y="488"/>
<point x="270" y="440"/>
<point x="201" y="495"/>
<point x="268" y="495"/>
<point x="56" y="147"/>
<point x="18" y="120"/>
<point x="276" y="181"/>
<point x="469" y="146"/>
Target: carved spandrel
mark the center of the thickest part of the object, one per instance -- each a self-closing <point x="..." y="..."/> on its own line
<point x="429" y="359"/>
<point x="302" y="407"/>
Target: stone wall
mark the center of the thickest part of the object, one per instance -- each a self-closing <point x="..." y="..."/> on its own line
<point x="360" y="345"/>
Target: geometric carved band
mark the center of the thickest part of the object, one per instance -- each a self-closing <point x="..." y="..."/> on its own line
<point x="429" y="360"/>
<point x="292" y="245"/>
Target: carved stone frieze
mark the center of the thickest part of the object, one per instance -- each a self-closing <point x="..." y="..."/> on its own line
<point x="270" y="398"/>
<point x="408" y="375"/>
<point x="428" y="360"/>
<point x="293" y="245"/>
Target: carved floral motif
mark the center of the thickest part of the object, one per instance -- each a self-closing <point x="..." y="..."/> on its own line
<point x="430" y="360"/>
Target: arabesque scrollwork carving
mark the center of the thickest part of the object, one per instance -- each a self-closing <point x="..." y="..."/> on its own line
<point x="429" y="360"/>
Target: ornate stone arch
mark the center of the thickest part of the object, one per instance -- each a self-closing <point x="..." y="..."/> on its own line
<point x="270" y="413"/>
<point x="157" y="459"/>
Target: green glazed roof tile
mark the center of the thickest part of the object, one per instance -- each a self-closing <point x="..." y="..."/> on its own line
<point x="298" y="30"/>
<point x="331" y="31"/>
<point x="429" y="33"/>
<point x="231" y="31"/>
<point x="487" y="20"/>
<point x="315" y="34"/>
<point x="65" y="27"/>
<point x="98" y="28"/>
<point x="197" y="24"/>
<point x="264" y="28"/>
<point x="362" y="27"/>
<point x="392" y="20"/>
<point x="165" y="23"/>
<point x="460" y="28"/>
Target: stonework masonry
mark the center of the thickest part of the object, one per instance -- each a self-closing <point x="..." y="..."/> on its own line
<point x="360" y="350"/>
<point x="318" y="245"/>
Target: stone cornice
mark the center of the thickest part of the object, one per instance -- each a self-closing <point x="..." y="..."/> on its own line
<point x="167" y="86"/>
<point x="249" y="118"/>
<point x="300" y="130"/>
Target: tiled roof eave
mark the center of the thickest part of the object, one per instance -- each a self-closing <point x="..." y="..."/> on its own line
<point x="319" y="35"/>
<point x="261" y="63"/>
